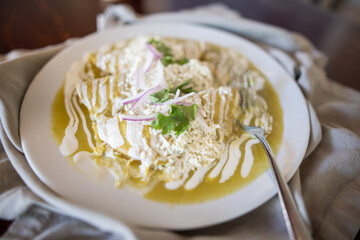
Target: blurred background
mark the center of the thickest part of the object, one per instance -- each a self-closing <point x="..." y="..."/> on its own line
<point x="333" y="26"/>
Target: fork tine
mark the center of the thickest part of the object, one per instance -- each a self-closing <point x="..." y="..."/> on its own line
<point x="246" y="91"/>
<point x="245" y="85"/>
<point x="249" y="102"/>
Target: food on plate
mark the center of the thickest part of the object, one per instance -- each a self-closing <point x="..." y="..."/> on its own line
<point x="159" y="114"/>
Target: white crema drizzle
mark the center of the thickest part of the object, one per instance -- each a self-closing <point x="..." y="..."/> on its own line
<point x="70" y="144"/>
<point x="227" y="165"/>
<point x="109" y="130"/>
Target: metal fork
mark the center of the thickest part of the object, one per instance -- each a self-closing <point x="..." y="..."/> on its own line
<point x="295" y="225"/>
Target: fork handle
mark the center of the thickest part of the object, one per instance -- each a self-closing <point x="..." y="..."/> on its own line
<point x="293" y="220"/>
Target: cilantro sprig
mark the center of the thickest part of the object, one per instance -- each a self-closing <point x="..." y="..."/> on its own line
<point x="178" y="119"/>
<point x="168" y="57"/>
<point x="160" y="96"/>
<point x="165" y="94"/>
<point x="182" y="88"/>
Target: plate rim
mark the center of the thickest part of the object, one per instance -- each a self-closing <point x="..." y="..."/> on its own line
<point x="120" y="29"/>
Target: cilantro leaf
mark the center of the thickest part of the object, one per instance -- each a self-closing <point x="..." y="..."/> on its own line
<point x="167" y="60"/>
<point x="178" y="119"/>
<point x="160" y="96"/>
<point x="166" y="51"/>
<point x="188" y="111"/>
<point x="182" y="61"/>
<point x="182" y="89"/>
<point x="161" y="47"/>
<point x="164" y="94"/>
<point x="163" y="123"/>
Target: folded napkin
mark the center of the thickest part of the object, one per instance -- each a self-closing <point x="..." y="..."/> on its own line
<point x="327" y="184"/>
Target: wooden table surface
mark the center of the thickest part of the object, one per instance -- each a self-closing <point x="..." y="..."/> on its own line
<point x="38" y="23"/>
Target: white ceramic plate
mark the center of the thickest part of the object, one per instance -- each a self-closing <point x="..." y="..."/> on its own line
<point x="101" y="197"/>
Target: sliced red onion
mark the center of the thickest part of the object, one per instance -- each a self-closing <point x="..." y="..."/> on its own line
<point x="149" y="61"/>
<point x="175" y="100"/>
<point x="202" y="121"/>
<point x="156" y="104"/>
<point x="140" y="78"/>
<point x="144" y="97"/>
<point x="140" y="117"/>
<point x="150" y="58"/>
<point x="184" y="103"/>
<point x="134" y="98"/>
<point x="177" y="93"/>
<point x="150" y="65"/>
<point x="140" y="72"/>
<point x="160" y="75"/>
<point x="153" y="51"/>
<point x="130" y="99"/>
<point x="137" y="117"/>
<point x="159" y="104"/>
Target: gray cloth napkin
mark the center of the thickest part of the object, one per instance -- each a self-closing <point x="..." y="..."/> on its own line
<point x="328" y="182"/>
